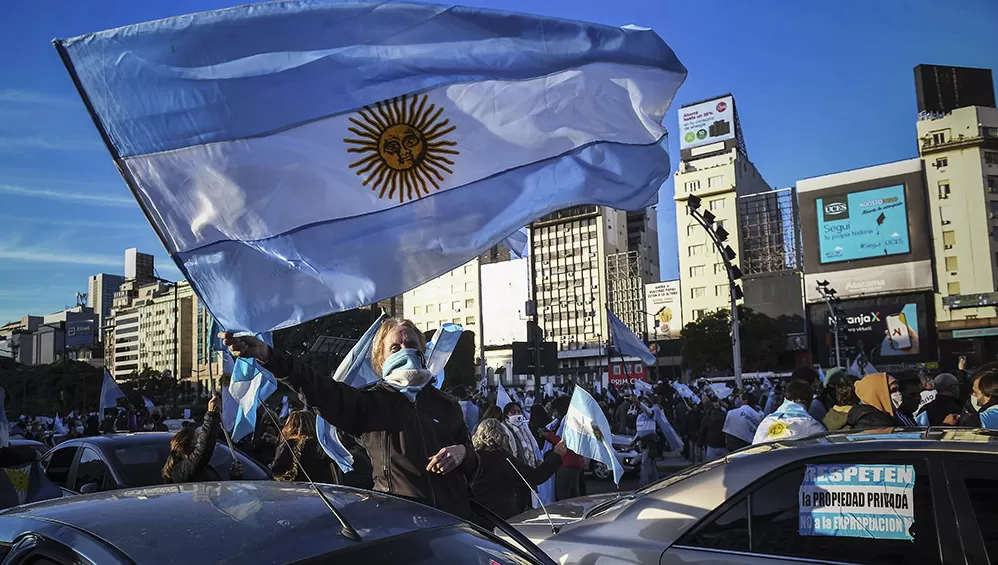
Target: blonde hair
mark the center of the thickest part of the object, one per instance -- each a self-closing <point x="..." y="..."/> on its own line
<point x="300" y="426"/>
<point x="379" y="352"/>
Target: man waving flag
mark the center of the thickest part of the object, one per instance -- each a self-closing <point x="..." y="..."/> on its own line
<point x="302" y="158"/>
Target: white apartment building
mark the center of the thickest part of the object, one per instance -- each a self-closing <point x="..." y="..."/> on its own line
<point x="450" y="298"/>
<point x="960" y="154"/>
<point x="718" y="180"/>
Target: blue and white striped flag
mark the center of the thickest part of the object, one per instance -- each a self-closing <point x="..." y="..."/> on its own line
<point x="626" y="342"/>
<point x="109" y="393"/>
<point x="502" y="397"/>
<point x="302" y="158"/>
<point x="250" y="386"/>
<point x="518" y="244"/>
<point x="587" y="432"/>
<point x="444" y="342"/>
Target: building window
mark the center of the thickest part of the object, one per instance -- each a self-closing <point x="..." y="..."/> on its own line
<point x="945" y="215"/>
<point x="467" y="269"/>
<point x="941" y="162"/>
<point x="417" y="310"/>
<point x="719" y="269"/>
<point x="949" y="238"/>
<point x="469" y="321"/>
<point x="944" y="189"/>
<point x="939" y="137"/>
<point x="992" y="183"/>
<point x="431" y="326"/>
<point x="696" y="271"/>
<point x="695" y="250"/>
<point x="717" y="204"/>
<point x="996" y="259"/>
<point x="991" y="158"/>
<point x="455" y="306"/>
<point x="469" y="286"/>
<point x="691" y="229"/>
<point x="456" y="321"/>
<point x="429" y="309"/>
<point x="721" y="290"/>
<point x="952" y="264"/>
<point x="993" y="206"/>
<point x="953" y="288"/>
<point x="698" y="291"/>
<point x="697" y="314"/>
<point x="441" y="307"/>
<point x="692" y="185"/>
<point x="715" y="182"/>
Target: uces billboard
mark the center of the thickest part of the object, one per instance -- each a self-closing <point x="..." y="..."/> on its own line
<point x="860" y="225"/>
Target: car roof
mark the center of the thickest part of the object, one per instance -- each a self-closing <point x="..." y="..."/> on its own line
<point x="118" y="441"/>
<point x="27" y="442"/>
<point x="229" y="522"/>
<point x="973" y="439"/>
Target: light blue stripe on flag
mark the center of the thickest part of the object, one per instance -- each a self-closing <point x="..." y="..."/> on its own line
<point x="587" y="432"/>
<point x="444" y="343"/>
<point x="296" y="184"/>
<point x="626" y="342"/>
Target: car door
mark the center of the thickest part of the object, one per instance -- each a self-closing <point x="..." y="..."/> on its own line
<point x="764" y="523"/>
<point x="93" y="473"/>
<point x="972" y="479"/>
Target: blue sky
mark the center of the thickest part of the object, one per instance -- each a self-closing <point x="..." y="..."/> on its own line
<point x="820" y="87"/>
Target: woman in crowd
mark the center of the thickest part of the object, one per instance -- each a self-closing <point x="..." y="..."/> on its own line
<point x="299" y="443"/>
<point x="984" y="400"/>
<point x="191" y="450"/>
<point x="415" y="434"/>
<point x="524" y="446"/>
<point x="497" y="484"/>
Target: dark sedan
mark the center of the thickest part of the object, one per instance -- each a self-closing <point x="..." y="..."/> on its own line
<point x="247" y="522"/>
<point x="116" y="461"/>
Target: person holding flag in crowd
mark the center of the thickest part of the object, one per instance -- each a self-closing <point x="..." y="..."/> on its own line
<point x="791" y="419"/>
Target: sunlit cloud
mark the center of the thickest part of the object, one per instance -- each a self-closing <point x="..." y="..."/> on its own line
<point x="22" y="143"/>
<point x="105" y="199"/>
<point x="33" y="97"/>
<point x="54" y="256"/>
<point x="71" y="223"/>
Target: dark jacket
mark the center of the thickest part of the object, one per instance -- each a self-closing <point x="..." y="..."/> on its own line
<point x="865" y="417"/>
<point x="195" y="467"/>
<point x="942" y="406"/>
<point x="712" y="429"/>
<point x="973" y="419"/>
<point x="159" y="427"/>
<point x="498" y="487"/>
<point x="311" y="456"/>
<point x="400" y="436"/>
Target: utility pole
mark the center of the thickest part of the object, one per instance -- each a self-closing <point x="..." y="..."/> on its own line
<point x="718" y="235"/>
<point x="533" y="314"/>
<point x="832" y="303"/>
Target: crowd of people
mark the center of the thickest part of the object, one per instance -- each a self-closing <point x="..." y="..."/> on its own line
<point x="501" y="449"/>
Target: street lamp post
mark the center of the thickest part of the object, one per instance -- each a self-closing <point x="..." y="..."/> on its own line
<point x="176" y="339"/>
<point x="718" y="235"/>
<point x="832" y="303"/>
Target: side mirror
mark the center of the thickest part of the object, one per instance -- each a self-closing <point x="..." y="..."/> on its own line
<point x="89" y="488"/>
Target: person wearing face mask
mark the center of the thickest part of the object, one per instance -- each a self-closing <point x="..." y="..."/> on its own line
<point x="883" y="403"/>
<point x="646" y="438"/>
<point x="984" y="400"/>
<point x="415" y="434"/>
<point x="524" y="446"/>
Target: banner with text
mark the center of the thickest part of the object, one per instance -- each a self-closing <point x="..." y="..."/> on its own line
<point x="858" y="501"/>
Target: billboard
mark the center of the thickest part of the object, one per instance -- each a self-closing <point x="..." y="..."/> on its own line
<point x="866" y="231"/>
<point x="665" y="316"/>
<point x="80" y="333"/>
<point x="626" y="373"/>
<point x="707" y="122"/>
<point x="894" y="332"/>
<point x="864" y="224"/>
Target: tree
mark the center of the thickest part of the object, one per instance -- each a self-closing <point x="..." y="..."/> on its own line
<point x="706" y="342"/>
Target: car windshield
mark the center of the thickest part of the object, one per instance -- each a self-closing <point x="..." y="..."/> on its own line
<point x="684" y="474"/>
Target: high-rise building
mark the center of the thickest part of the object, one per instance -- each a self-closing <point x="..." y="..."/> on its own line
<point x="450" y="298"/>
<point x="959" y="150"/>
<point x="100" y="296"/>
<point x="718" y="179"/>
<point x="152" y="325"/>
<point x="139" y="266"/>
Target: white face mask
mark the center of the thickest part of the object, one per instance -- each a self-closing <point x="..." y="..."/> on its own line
<point x="976" y="403"/>
<point x="517" y="419"/>
<point x="896" y="399"/>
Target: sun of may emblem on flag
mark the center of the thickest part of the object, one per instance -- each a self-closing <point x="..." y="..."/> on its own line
<point x="403" y="146"/>
<point x="596" y="432"/>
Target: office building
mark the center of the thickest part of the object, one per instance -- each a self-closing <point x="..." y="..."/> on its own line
<point x="100" y="296"/>
<point x="42" y="340"/>
<point x="152" y="325"/>
<point x="714" y="167"/>
<point x="959" y="150"/>
<point x="139" y="266"/>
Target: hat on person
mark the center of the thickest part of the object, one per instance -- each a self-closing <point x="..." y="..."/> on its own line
<point x="945" y="383"/>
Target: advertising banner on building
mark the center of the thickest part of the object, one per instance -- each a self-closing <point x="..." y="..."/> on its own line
<point x="860" y="225"/>
<point x="626" y="373"/>
<point x="79" y="333"/>
<point x="893" y="332"/>
<point x="665" y="316"/>
<point x="707" y="122"/>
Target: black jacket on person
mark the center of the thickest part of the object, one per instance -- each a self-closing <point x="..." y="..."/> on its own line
<point x="712" y="429"/>
<point x="195" y="467"/>
<point x="942" y="406"/>
<point x="865" y="417"/>
<point x="498" y="487"/>
<point x="315" y="461"/>
<point x="973" y="419"/>
<point x="400" y="436"/>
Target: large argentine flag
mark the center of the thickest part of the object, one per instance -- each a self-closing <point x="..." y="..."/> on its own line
<point x="587" y="432"/>
<point x="301" y="158"/>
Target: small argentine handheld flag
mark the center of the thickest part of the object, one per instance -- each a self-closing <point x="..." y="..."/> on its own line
<point x="109" y="393"/>
<point x="440" y="352"/>
<point x="587" y="432"/>
<point x="302" y="158"/>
